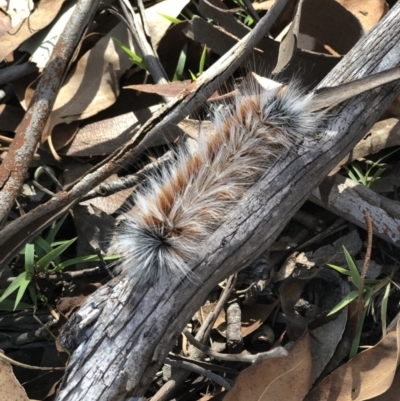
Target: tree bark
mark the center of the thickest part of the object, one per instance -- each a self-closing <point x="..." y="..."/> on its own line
<point x="124" y="331"/>
<point x="351" y="200"/>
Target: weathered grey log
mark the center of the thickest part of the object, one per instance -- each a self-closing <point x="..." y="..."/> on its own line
<point x="351" y="200"/>
<point x="124" y="332"/>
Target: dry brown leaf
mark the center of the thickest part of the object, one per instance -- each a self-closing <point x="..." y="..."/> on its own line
<point x="324" y="342"/>
<point x="393" y="110"/>
<point x="11" y="389"/>
<point x="5" y="23"/>
<point x="44" y="13"/>
<point x="368" y="12"/>
<point x="393" y="392"/>
<point x="290" y="291"/>
<point x="71" y="302"/>
<point x="369" y="374"/>
<point x="63" y="134"/>
<point x="382" y="135"/>
<point x="171" y="89"/>
<point x="253" y="316"/>
<point x="158" y="24"/>
<point x="287" y="378"/>
<point x="103" y="137"/>
<point x="330" y="24"/>
<point x="344" y="345"/>
<point x="110" y="204"/>
<point x="94" y="84"/>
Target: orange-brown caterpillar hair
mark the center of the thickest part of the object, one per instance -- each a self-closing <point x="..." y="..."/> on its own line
<point x="179" y="208"/>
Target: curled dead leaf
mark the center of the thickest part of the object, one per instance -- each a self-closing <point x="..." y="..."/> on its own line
<point x="285" y="378"/>
<point x="369" y="374"/>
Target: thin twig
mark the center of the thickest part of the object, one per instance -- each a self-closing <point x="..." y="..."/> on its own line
<point x="42" y="188"/>
<point x="202" y="335"/>
<point x="23" y="365"/>
<point x="111" y="187"/>
<point x="146" y="29"/>
<point x="206" y="365"/>
<point x="251" y="10"/>
<point x="277" y="352"/>
<point x="201" y="371"/>
<point x="204" y="332"/>
<point x="142" y="44"/>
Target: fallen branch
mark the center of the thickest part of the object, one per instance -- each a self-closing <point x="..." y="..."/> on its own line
<point x="350" y="200"/>
<point x="15" y="165"/>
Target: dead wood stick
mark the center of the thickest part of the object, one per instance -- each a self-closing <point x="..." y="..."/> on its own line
<point x="126" y="331"/>
<point x="15" y="165"/>
<point x="277" y="352"/>
<point x="349" y="199"/>
<point x="178" y="376"/>
<point x="141" y="41"/>
<point x="200" y="371"/>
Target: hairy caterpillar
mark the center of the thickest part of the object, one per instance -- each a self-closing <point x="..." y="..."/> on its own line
<point x="180" y="207"/>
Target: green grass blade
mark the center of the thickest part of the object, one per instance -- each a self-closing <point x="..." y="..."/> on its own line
<point x="83" y="259"/>
<point x="346" y="272"/>
<point x="42" y="247"/>
<point x="372" y="281"/>
<point x="386" y="156"/>
<point x="351" y="174"/>
<point x="354" y="273"/>
<point x="344" y="302"/>
<point x="44" y="262"/>
<point x="375" y="176"/>
<point x="54" y="231"/>
<point x="57" y="243"/>
<point x="22" y="288"/>
<point x="360" y="324"/>
<point x="134" y="57"/>
<point x="189" y="16"/>
<point x="181" y="64"/>
<point x="192" y="76"/>
<point x="13" y="286"/>
<point x="384" y="308"/>
<point x="30" y="258"/>
<point x="356" y="342"/>
<point x="170" y="19"/>
<point x="361" y="176"/>
<point x="249" y="21"/>
<point x="340" y="270"/>
<point x="202" y="60"/>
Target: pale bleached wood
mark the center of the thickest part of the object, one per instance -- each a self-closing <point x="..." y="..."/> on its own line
<point x="125" y="331"/>
<point x="351" y="200"/>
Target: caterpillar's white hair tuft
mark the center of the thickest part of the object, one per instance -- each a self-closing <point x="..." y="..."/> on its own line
<point x="177" y="210"/>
